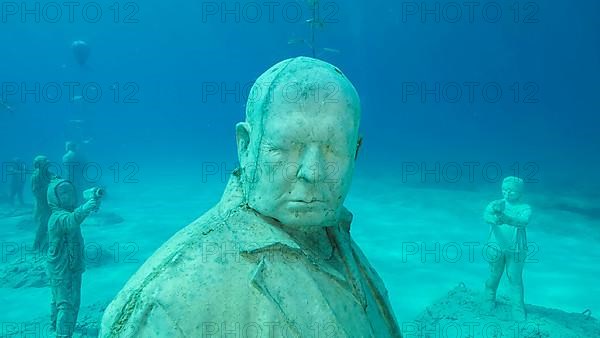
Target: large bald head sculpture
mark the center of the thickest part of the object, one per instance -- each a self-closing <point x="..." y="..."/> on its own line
<point x="283" y="218"/>
<point x="298" y="143"/>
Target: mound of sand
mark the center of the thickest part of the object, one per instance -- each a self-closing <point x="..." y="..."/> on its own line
<point x="24" y="274"/>
<point x="31" y="272"/>
<point x="459" y="314"/>
<point x="88" y="324"/>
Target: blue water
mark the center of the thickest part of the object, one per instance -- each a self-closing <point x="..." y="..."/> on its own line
<point x="173" y="80"/>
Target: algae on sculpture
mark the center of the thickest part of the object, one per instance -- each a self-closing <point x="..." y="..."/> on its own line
<point x="275" y="255"/>
<point x="508" y="218"/>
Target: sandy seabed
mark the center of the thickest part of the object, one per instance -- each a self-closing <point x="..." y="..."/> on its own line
<point x="422" y="241"/>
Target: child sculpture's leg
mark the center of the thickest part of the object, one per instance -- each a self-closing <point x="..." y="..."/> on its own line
<point x="497" y="264"/>
<point x="514" y="270"/>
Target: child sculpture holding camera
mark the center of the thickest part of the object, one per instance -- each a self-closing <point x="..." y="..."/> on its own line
<point x="65" y="252"/>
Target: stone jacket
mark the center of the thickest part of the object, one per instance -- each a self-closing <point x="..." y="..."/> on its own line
<point x="233" y="273"/>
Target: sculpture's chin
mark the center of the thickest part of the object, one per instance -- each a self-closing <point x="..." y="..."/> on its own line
<point x="304" y="224"/>
<point x="307" y="219"/>
<point x="513" y="199"/>
<point x="297" y="214"/>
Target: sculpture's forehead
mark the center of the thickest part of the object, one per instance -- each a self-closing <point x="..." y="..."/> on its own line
<point x="332" y="117"/>
<point x="307" y="82"/>
<point x="513" y="183"/>
<point x="302" y="83"/>
<point x="64" y="187"/>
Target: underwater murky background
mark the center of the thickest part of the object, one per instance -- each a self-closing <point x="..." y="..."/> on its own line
<point x="454" y="98"/>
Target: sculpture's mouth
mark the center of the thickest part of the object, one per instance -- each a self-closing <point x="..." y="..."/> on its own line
<point x="307" y="200"/>
<point x="305" y="203"/>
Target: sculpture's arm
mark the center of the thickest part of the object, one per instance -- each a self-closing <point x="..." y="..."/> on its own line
<point x="492" y="212"/>
<point x="520" y="220"/>
<point x="35" y="185"/>
<point x="72" y="220"/>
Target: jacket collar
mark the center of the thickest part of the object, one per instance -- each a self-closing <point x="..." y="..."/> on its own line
<point x="262" y="234"/>
<point x="268" y="230"/>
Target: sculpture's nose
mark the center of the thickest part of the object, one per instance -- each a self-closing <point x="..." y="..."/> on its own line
<point x="311" y="167"/>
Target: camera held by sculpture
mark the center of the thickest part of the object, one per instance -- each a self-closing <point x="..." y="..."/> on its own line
<point x="94" y="193"/>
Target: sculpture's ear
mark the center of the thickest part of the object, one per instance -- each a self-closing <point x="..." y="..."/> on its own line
<point x="242" y="137"/>
<point x="358" y="144"/>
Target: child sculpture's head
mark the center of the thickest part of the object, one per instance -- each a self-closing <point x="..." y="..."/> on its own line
<point x="512" y="189"/>
<point x="61" y="195"/>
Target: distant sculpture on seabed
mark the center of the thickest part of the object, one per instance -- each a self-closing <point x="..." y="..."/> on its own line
<point x="508" y="218"/>
<point x="39" y="187"/>
<point x="74" y="165"/>
<point x="81" y="52"/>
<point x="17" y="172"/>
<point x="274" y="258"/>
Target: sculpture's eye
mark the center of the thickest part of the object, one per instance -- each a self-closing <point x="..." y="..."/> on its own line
<point x="331" y="149"/>
<point x="273" y="149"/>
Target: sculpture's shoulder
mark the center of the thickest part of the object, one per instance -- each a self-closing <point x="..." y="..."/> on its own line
<point x="180" y="281"/>
<point x="67" y="157"/>
<point x="375" y="282"/>
<point x="361" y="258"/>
<point x="369" y="269"/>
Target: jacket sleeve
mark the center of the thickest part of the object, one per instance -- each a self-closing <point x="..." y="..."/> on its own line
<point x="489" y="215"/>
<point x="74" y="219"/>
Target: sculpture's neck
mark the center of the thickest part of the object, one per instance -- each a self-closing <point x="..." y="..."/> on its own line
<point x="305" y="234"/>
<point x="314" y="240"/>
<point x="512" y="203"/>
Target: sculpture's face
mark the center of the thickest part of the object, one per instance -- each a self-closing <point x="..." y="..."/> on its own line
<point x="66" y="196"/>
<point x="41" y="162"/>
<point x="512" y="191"/>
<point x="305" y="154"/>
<point x="70" y="146"/>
